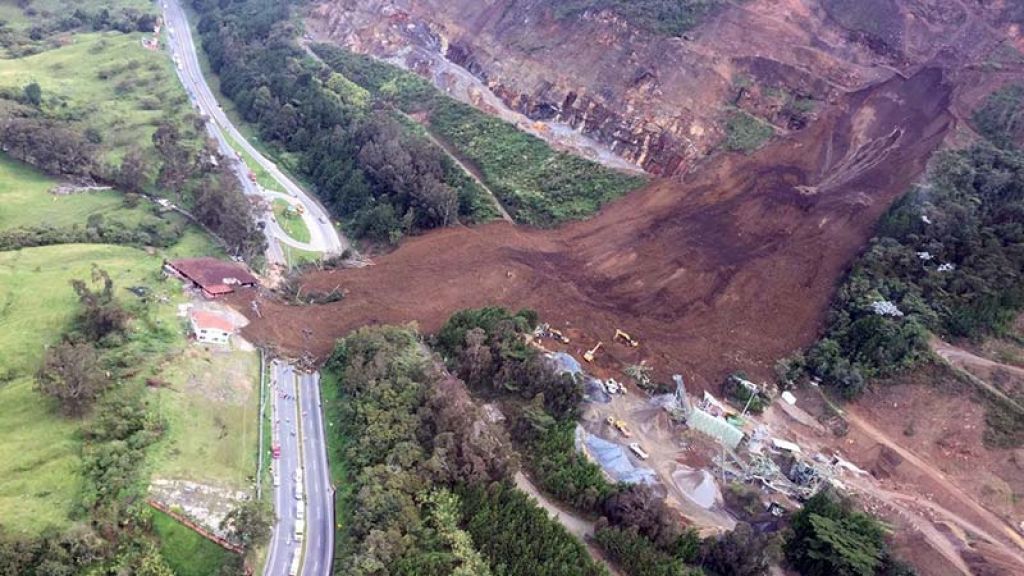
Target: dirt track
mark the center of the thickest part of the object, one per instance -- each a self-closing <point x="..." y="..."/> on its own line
<point x="731" y="268"/>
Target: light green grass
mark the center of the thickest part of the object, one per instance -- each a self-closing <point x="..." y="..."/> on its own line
<point x="25" y="200"/>
<point x="38" y="448"/>
<point x="212" y="411"/>
<point x="187" y="553"/>
<point x="39" y="461"/>
<point x="291" y="222"/>
<point x="105" y="81"/>
<point x="296" y="257"/>
<point x="50" y="10"/>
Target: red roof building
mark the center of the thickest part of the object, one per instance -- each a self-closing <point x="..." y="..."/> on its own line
<point x="210" y="327"/>
<point x="214" y="277"/>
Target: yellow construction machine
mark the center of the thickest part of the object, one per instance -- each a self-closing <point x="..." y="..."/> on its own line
<point x="625" y="338"/>
<point x="589" y="354"/>
<point x="619" y="425"/>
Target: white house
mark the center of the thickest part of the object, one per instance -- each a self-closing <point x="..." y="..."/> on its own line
<point x="211" y="328"/>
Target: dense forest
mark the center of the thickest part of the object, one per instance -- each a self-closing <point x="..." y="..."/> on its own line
<point x="369" y="168"/>
<point x="535" y="184"/>
<point x="947" y="258"/>
<point x="420" y="465"/>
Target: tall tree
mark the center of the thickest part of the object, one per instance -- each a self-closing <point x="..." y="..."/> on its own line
<point x="71" y="375"/>
<point x="250" y="522"/>
<point x="101" y="314"/>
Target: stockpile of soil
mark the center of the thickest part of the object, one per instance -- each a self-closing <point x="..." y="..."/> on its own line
<point x="730" y="269"/>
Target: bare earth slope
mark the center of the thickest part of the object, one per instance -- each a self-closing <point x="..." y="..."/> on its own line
<point x="658" y="101"/>
<point x="730" y="269"/>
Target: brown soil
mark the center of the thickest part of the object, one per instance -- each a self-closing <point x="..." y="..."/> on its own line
<point x="729" y="269"/>
<point x="930" y="422"/>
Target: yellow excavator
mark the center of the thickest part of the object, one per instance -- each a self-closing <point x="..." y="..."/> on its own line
<point x="589" y="354"/>
<point x="619" y="425"/>
<point x="625" y="338"/>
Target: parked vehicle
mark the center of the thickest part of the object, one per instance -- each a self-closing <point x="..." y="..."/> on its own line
<point x="639" y="451"/>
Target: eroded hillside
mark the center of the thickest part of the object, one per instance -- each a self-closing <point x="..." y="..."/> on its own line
<point x="608" y="82"/>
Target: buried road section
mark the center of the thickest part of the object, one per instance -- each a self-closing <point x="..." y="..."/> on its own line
<point x="729" y="269"/>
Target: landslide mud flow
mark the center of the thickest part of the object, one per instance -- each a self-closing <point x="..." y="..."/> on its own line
<point x="729" y="269"/>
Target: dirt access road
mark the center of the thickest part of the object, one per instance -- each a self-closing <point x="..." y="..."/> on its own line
<point x="985" y="526"/>
<point x="730" y="269"/>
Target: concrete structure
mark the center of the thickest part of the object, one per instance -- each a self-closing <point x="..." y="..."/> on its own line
<point x="211" y="328"/>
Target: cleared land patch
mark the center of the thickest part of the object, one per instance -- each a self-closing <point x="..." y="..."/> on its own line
<point x="211" y="402"/>
<point x="26" y="201"/>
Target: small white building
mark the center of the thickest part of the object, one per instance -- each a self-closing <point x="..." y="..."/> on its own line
<point x="210" y="327"/>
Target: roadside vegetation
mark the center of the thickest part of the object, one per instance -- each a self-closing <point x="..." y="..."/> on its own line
<point x="371" y="170"/>
<point x="102" y="109"/>
<point x="291" y="221"/>
<point x="946" y="259"/>
<point x="668" y="17"/>
<point x="77" y="423"/>
<point x="187" y="553"/>
<point x="535" y="184"/>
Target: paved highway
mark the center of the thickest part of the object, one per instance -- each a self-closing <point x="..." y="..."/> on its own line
<point x="319" y="494"/>
<point x="286" y="470"/>
<point x="324" y="237"/>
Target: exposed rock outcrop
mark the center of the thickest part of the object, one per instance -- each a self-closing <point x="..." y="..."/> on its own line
<point x="597" y="84"/>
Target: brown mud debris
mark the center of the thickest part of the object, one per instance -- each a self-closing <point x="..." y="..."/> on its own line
<point x="728" y="269"/>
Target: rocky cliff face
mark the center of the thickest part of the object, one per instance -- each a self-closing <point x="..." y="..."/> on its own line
<point x="597" y="83"/>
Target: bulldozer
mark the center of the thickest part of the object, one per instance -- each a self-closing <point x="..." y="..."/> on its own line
<point x="625" y="338"/>
<point x="589" y="354"/>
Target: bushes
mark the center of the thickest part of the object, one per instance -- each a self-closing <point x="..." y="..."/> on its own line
<point x="744" y="133"/>
<point x="668" y="17"/>
<point x="946" y="258"/>
<point x="536" y="184"/>
<point x="1001" y="117"/>
<point x="629" y="549"/>
<point x="519" y="537"/>
<point x="742" y="552"/>
<point x="829" y="538"/>
<point x="565" y="473"/>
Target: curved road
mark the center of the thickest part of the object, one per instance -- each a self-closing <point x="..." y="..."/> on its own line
<point x="302" y="541"/>
<point x="324" y="237"/>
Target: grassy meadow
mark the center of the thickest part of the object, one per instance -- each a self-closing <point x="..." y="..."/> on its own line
<point x="187" y="553"/>
<point x="107" y="82"/>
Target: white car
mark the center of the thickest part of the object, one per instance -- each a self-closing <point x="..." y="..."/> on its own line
<point x="639" y="451"/>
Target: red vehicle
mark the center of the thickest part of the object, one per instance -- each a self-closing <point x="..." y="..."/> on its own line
<point x="276" y="451"/>
<point x="252" y="176"/>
